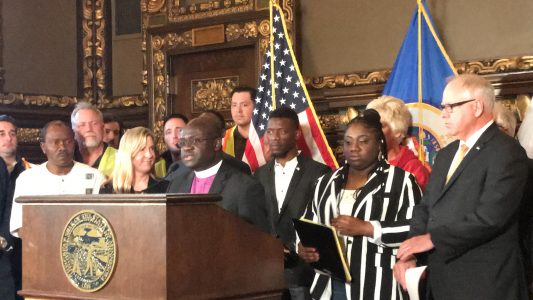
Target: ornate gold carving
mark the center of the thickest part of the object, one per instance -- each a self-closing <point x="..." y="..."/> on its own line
<point x="37" y="100"/>
<point x="123" y="101"/>
<point x="87" y="41"/>
<point x="339" y="152"/>
<point x="160" y="83"/>
<point x="99" y="45"/>
<point x="235" y="31"/>
<point x="287" y="7"/>
<point x="153" y="6"/>
<point x="329" y="122"/>
<point x="523" y="102"/>
<point x="346" y="80"/>
<point x="484" y="67"/>
<point x="493" y="66"/>
<point x="179" y="11"/>
<point x="171" y="41"/>
<point x="94" y="59"/>
<point x="28" y="135"/>
<point x="212" y="93"/>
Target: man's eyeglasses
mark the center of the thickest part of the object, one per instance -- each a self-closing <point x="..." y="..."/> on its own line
<point x="449" y="108"/>
<point x="191" y="142"/>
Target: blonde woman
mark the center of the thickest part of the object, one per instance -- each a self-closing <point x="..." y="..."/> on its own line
<point x="133" y="171"/>
<point x="396" y="119"/>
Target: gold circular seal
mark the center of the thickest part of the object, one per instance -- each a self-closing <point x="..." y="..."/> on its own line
<point x="88" y="251"/>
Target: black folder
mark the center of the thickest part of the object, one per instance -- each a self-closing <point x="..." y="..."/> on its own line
<point x="324" y="238"/>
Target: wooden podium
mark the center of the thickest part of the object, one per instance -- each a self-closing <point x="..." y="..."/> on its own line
<point x="174" y="246"/>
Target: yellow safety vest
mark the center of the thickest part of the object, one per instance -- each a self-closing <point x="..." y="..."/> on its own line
<point x="107" y="163"/>
<point x="229" y="141"/>
<point x="160" y="168"/>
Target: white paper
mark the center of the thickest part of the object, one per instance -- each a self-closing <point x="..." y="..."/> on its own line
<point x="412" y="278"/>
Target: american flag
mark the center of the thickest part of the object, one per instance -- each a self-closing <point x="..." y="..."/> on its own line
<point x="281" y="84"/>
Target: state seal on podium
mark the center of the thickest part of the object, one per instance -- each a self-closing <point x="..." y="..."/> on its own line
<point x="88" y="251"/>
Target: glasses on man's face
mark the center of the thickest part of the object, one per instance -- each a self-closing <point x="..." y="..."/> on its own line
<point x="450" y="107"/>
<point x="192" y="141"/>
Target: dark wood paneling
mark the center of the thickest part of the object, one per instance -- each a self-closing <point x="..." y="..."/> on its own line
<point x="239" y="61"/>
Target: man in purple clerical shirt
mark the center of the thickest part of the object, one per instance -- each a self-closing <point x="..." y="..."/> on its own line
<point x="201" y="152"/>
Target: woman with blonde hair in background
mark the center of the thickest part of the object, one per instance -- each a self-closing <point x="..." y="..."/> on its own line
<point x="134" y="164"/>
<point x="396" y="119"/>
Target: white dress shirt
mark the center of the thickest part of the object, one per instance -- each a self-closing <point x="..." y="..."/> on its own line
<point x="283" y="176"/>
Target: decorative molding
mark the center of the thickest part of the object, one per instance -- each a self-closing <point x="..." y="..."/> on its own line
<point x="93" y="65"/>
<point x="347" y="80"/>
<point x="482" y="67"/>
<point x="37" y="100"/>
<point x="95" y="54"/>
<point x="28" y="135"/>
<point x="329" y="121"/>
<point x="87" y="41"/>
<point x="212" y="93"/>
<point x="99" y="49"/>
<point x="153" y="6"/>
<point x="235" y="31"/>
<point x="496" y="66"/>
<point x="182" y="10"/>
<point x="161" y="44"/>
<point x="171" y="41"/>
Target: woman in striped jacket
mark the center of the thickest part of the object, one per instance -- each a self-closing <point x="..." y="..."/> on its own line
<point x="370" y="203"/>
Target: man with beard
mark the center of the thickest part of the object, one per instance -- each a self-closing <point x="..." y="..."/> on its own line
<point x="200" y="144"/>
<point x="88" y="125"/>
<point x="289" y="181"/>
<point x="60" y="175"/>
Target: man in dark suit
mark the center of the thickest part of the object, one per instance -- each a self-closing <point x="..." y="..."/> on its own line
<point x="467" y="222"/>
<point x="289" y="181"/>
<point x="201" y="153"/>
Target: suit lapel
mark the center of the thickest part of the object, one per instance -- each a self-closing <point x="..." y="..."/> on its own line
<point x="271" y="186"/>
<point x="187" y="182"/>
<point x="470" y="156"/>
<point x="220" y="179"/>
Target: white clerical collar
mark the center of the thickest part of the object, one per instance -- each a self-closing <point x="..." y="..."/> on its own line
<point x="208" y="172"/>
<point x="471" y="141"/>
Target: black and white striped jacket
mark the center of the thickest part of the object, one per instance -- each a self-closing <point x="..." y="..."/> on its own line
<point x="388" y="197"/>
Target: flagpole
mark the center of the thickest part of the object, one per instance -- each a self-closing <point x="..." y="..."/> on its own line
<point x="420" y="90"/>
<point x="300" y="78"/>
<point x="271" y="49"/>
<point x="441" y="47"/>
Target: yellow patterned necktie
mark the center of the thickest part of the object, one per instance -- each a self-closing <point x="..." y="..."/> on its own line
<point x="457" y="161"/>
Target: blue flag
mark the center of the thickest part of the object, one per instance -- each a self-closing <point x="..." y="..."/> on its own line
<point x="419" y="77"/>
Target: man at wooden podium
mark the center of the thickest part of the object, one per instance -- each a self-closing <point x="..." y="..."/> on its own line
<point x="201" y="152"/>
